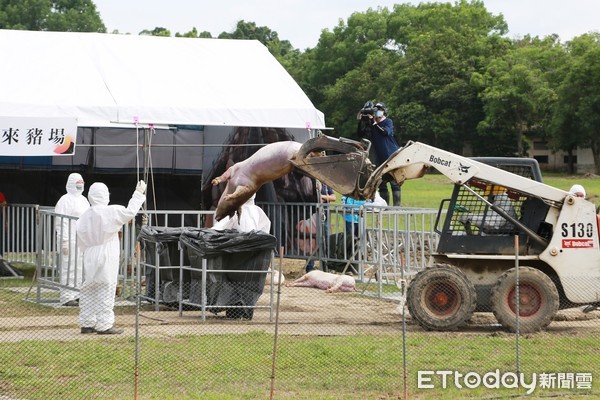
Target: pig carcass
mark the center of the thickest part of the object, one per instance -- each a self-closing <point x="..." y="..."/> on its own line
<point x="243" y="179"/>
<point x="326" y="281"/>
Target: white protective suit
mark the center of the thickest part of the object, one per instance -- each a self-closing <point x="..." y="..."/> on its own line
<point x="97" y="235"/>
<point x="72" y="204"/>
<point x="253" y="218"/>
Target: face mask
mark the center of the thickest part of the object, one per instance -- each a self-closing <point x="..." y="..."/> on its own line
<point x="379" y="113"/>
<point x="79" y="187"/>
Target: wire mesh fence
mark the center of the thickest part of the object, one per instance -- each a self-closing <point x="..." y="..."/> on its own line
<point x="199" y="325"/>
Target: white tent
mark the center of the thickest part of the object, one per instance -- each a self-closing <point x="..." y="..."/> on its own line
<point x="108" y="80"/>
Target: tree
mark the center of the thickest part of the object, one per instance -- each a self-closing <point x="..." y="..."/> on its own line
<point x="347" y="95"/>
<point x="417" y="59"/>
<point x="158" y="31"/>
<point x="518" y="92"/>
<point x="249" y="30"/>
<point x="338" y="53"/>
<point x="191" y="34"/>
<point x="441" y="47"/>
<point x="46" y="15"/>
<point x="194" y="34"/>
<point x="577" y="113"/>
<point x="76" y="16"/>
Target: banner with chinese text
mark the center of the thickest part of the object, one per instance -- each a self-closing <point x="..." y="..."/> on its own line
<point x="31" y="136"/>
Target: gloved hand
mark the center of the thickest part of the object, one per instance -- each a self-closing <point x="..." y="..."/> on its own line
<point x="65" y="248"/>
<point x="141" y="187"/>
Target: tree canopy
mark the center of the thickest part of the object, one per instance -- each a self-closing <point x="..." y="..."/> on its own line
<point x="577" y="111"/>
<point x="46" y="15"/>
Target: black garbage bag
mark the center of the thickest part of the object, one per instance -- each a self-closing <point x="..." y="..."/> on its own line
<point x="230" y="256"/>
<point x="207" y="242"/>
<point x="164" y="242"/>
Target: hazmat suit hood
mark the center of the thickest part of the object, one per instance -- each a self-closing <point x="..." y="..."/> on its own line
<point x="577" y="190"/>
<point x="72" y="184"/>
<point x="98" y="194"/>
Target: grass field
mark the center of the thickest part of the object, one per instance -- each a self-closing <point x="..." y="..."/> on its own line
<point x="428" y="191"/>
<point x="221" y="367"/>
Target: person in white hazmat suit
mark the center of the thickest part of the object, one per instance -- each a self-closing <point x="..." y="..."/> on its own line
<point x="252" y="218"/>
<point x="97" y="235"/>
<point x="71" y="204"/>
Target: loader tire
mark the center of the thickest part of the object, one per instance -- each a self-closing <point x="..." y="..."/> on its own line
<point x="441" y="298"/>
<point x="539" y="300"/>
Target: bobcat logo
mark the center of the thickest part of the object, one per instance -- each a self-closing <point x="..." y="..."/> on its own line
<point x="464" y="168"/>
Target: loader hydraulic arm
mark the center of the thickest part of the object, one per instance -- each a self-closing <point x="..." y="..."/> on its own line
<point x="351" y="173"/>
<point x="347" y="168"/>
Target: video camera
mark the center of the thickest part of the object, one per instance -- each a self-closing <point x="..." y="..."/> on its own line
<point x="364" y="117"/>
<point x="368" y="109"/>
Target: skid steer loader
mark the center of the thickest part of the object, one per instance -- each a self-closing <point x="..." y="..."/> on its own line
<point x="500" y="213"/>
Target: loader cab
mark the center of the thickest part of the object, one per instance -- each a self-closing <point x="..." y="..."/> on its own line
<point x="470" y="226"/>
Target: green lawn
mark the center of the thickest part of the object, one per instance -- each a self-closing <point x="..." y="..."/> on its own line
<point x="308" y="367"/>
<point x="428" y="191"/>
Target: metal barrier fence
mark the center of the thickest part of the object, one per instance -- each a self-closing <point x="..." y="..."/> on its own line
<point x="300" y="342"/>
<point x="388" y="244"/>
<point x="18" y="239"/>
<point x="57" y="271"/>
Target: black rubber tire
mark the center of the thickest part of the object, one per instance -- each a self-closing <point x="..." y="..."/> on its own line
<point x="539" y="300"/>
<point x="441" y="298"/>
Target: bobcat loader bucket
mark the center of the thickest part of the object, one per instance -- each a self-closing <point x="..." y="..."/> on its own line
<point x="345" y="168"/>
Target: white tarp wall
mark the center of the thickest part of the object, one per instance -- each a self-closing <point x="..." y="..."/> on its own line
<point x="109" y="79"/>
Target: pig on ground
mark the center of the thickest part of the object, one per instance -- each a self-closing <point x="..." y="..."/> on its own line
<point x="326" y="281"/>
<point x="277" y="277"/>
<point x="243" y="179"/>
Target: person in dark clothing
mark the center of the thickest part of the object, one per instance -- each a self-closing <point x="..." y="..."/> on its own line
<point x="327" y="196"/>
<point x="384" y="144"/>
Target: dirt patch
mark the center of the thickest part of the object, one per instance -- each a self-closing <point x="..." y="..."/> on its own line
<point x="291" y="268"/>
<point x="302" y="311"/>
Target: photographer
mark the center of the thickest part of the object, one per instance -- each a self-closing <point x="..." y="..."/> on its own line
<point x="365" y="120"/>
<point x="374" y="125"/>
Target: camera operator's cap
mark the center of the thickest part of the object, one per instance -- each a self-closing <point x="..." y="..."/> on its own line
<point x="382" y="107"/>
<point x="368" y="104"/>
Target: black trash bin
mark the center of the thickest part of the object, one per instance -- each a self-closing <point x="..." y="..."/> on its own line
<point x="163" y="241"/>
<point x="229" y="254"/>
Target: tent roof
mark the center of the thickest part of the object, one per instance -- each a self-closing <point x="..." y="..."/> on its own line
<point x="108" y="79"/>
